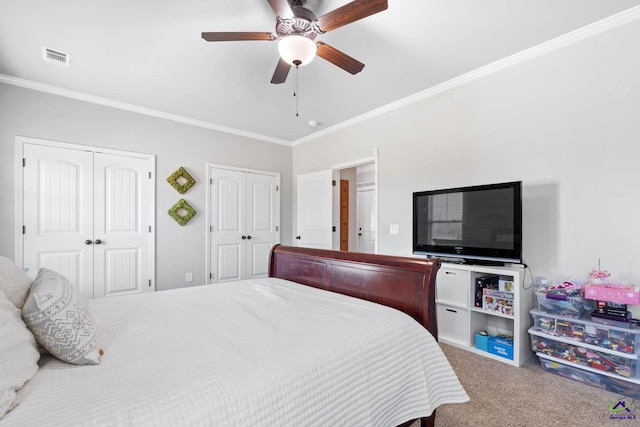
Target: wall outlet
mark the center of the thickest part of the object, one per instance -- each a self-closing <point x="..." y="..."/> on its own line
<point x="189" y="277"/>
<point x="394" y="229"/>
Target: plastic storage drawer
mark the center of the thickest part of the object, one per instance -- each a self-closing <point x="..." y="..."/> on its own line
<point x="570" y="307"/>
<point x="623" y="366"/>
<point x="615" y="385"/>
<point x="585" y="331"/>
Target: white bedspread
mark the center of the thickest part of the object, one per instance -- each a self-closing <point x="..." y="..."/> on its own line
<point x="263" y="352"/>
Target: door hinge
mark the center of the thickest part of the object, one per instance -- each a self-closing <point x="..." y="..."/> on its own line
<point x="277" y="188"/>
<point x="211" y="181"/>
<point x="149" y="229"/>
<point x="24" y="229"/>
<point x="149" y="282"/>
<point x="211" y="228"/>
<point x="333" y="228"/>
<point x="277" y="228"/>
<point x="210" y="276"/>
<point x="24" y="162"/>
<point x="333" y="183"/>
<point x="149" y="174"/>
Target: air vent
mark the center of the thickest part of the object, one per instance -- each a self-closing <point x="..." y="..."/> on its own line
<point x="55" y="56"/>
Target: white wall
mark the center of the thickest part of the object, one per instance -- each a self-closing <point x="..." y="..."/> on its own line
<point x="566" y="123"/>
<point x="179" y="249"/>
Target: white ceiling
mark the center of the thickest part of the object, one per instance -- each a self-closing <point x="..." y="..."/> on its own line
<point x="148" y="54"/>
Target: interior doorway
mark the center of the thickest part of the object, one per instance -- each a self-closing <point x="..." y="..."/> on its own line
<point x="319" y="207"/>
<point x="357" y="210"/>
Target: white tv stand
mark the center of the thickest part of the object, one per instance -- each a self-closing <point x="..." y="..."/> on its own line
<point x="459" y="319"/>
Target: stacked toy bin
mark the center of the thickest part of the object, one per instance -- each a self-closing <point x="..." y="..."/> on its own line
<point x="575" y="337"/>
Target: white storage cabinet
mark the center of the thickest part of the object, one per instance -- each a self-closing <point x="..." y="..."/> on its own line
<point x="459" y="320"/>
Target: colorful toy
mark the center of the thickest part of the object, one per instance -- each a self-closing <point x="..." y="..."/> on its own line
<point x="584" y="331"/>
<point x="586" y="357"/>
<point x="598" y="275"/>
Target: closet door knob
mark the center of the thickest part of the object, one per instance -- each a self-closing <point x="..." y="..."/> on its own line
<point x="298" y="237"/>
<point x="244" y="237"/>
<point x="88" y="242"/>
<point x="249" y="237"/>
<point x="98" y="241"/>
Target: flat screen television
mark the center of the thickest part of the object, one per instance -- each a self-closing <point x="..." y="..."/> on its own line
<point x="470" y="224"/>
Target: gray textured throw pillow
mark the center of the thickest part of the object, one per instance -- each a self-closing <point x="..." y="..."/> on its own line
<point x="60" y="319"/>
<point x="13" y="282"/>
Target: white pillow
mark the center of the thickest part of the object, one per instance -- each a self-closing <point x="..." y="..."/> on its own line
<point x="14" y="282"/>
<point x="18" y="353"/>
<point x="60" y="319"/>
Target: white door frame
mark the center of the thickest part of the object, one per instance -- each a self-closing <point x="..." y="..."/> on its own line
<point x="19" y="186"/>
<point x="336" y="194"/>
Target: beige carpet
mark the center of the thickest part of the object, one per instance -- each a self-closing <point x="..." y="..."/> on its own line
<point x="503" y="395"/>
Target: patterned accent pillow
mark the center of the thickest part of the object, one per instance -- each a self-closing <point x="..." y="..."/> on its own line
<point x="60" y="319"/>
<point x="18" y="353"/>
<point x="14" y="282"/>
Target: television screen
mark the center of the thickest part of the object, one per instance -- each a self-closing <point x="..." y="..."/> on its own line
<point x="478" y="223"/>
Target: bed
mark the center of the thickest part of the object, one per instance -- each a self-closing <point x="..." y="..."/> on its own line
<point x="329" y="338"/>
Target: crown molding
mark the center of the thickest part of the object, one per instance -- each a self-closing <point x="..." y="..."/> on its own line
<point x="585" y="32"/>
<point x="560" y="42"/>
<point x="80" y="96"/>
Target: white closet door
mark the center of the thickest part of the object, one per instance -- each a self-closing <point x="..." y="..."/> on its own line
<point x="366" y="221"/>
<point x="262" y="222"/>
<point x="315" y="210"/>
<point x="58" y="213"/>
<point x="121" y="225"/>
<point x="87" y="215"/>
<point x="227" y="219"/>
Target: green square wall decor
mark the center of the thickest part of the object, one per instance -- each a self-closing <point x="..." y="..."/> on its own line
<point x="182" y="212"/>
<point x="181" y="180"/>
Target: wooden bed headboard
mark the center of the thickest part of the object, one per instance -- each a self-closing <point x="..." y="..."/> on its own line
<point x="406" y="284"/>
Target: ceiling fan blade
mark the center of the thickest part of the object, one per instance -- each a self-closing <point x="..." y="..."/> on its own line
<point x="349" y="13"/>
<point x="281" y="72"/>
<point x="281" y="8"/>
<point x="237" y="36"/>
<point x="338" y="58"/>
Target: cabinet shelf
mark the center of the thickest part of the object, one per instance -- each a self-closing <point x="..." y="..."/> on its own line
<point x="461" y="315"/>
<point x="492" y="313"/>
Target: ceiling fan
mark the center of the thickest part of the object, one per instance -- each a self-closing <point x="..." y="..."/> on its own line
<point x="297" y="27"/>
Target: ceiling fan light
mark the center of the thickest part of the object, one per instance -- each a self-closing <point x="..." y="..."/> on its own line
<point x="297" y="48"/>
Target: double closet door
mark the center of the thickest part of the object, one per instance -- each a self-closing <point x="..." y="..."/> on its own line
<point x="244" y="223"/>
<point x="87" y="215"/>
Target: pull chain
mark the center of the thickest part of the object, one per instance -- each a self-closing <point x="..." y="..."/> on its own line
<point x="295" y="84"/>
